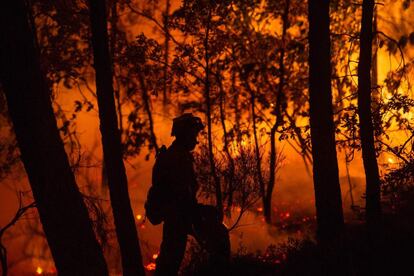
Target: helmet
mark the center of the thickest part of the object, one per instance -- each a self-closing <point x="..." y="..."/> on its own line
<point x="186" y="124"/>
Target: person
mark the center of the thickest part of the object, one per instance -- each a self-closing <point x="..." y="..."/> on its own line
<point x="182" y="215"/>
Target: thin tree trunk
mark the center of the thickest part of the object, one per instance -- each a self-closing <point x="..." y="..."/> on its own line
<point x="62" y="212"/>
<point x="219" y="197"/>
<point x="373" y="205"/>
<point x="256" y="145"/>
<point x="374" y="66"/>
<point x="235" y="94"/>
<point x="167" y="51"/>
<point x="113" y="21"/>
<point x="267" y="207"/>
<point x="325" y="164"/>
<point x="111" y="141"/>
<point x="146" y="99"/>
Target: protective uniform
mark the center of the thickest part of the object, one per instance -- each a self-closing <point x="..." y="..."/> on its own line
<point x="183" y="215"/>
<point x="177" y="167"/>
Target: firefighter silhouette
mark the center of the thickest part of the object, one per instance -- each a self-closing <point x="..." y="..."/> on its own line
<point x="173" y="174"/>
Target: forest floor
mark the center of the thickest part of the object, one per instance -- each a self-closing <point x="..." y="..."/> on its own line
<point x="385" y="250"/>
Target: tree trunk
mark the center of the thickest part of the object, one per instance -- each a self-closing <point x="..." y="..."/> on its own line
<point x="165" y="91"/>
<point x="147" y="106"/>
<point x="325" y="164"/>
<point x="373" y="205"/>
<point x="280" y="99"/>
<point x="219" y="197"/>
<point x="111" y="142"/>
<point x="62" y="211"/>
<point x="256" y="145"/>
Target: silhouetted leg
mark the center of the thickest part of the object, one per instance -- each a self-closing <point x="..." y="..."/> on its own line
<point x="172" y="249"/>
<point x="218" y="245"/>
<point x="214" y="237"/>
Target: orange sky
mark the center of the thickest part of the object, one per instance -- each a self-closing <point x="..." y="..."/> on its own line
<point x="294" y="185"/>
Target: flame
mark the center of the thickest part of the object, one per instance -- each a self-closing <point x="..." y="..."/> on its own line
<point x="155" y="256"/>
<point x="390" y="160"/>
<point x="150" y="266"/>
<point x="39" y="270"/>
<point x="260" y="209"/>
<point x="139" y="217"/>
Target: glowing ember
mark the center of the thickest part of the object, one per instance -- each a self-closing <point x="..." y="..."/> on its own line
<point x="155" y="256"/>
<point x="150" y="266"/>
<point x="139" y="217"/>
<point x="260" y="209"/>
<point x="287" y="215"/>
<point x="39" y="270"/>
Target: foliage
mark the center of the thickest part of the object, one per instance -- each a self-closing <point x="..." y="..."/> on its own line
<point x="398" y="189"/>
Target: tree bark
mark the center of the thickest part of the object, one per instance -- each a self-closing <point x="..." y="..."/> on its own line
<point x="216" y="179"/>
<point x="62" y="212"/>
<point x="111" y="142"/>
<point x="373" y="205"/>
<point x="280" y="99"/>
<point x="256" y="145"/>
<point x="147" y="106"/>
<point x="226" y="146"/>
<point x="325" y="164"/>
<point x="165" y="91"/>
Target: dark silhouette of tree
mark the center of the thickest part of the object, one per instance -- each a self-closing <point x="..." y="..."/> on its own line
<point x="62" y="211"/>
<point x="325" y="164"/>
<point x="207" y="98"/>
<point x="166" y="19"/>
<point x="111" y="141"/>
<point x="373" y="205"/>
<point x="278" y="111"/>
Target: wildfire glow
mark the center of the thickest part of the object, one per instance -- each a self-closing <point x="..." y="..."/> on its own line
<point x="150" y="266"/>
<point x="39" y="270"/>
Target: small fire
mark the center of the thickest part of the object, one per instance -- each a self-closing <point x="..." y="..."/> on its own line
<point x="260" y="209"/>
<point x="390" y="160"/>
<point x="150" y="266"/>
<point x="39" y="270"/>
<point x="155" y="256"/>
<point x="139" y="217"/>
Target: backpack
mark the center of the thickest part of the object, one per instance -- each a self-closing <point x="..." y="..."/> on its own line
<point x="157" y="196"/>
